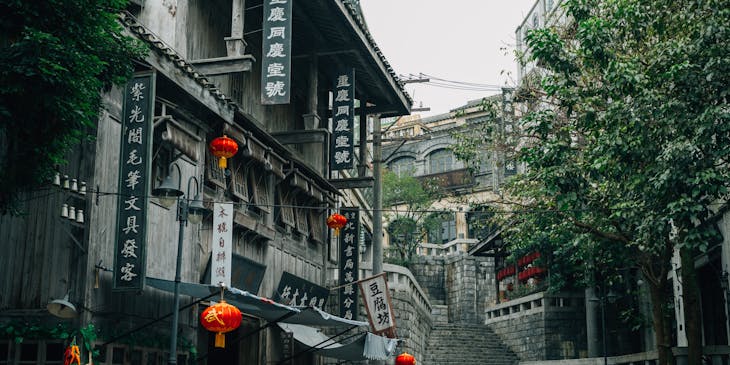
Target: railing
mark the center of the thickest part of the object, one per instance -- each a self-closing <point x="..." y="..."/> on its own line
<point x="532" y="304"/>
<point x="715" y="355"/>
<point x="399" y="279"/>
<point x="452" y="247"/>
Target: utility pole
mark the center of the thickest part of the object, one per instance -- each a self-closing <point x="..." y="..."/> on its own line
<point x="377" y="198"/>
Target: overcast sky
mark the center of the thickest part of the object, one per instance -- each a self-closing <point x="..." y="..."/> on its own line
<point x="458" y="40"/>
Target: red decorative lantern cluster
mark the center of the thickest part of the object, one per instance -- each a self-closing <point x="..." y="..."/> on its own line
<point x="405" y="359"/>
<point x="336" y="221"/>
<point x="507" y="271"/>
<point x="527" y="259"/>
<point x="221" y="318"/>
<point x="223" y="148"/>
<point x="530" y="272"/>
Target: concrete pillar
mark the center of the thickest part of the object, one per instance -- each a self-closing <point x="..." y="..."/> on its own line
<point x="592" y="330"/>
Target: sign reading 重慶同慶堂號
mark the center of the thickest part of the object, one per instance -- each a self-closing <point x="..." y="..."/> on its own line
<point x="276" y="52"/>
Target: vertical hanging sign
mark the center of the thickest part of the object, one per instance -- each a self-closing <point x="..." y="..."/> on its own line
<point x="135" y="161"/>
<point x="276" y="52"/>
<point x="378" y="305"/>
<point x="222" y="244"/>
<point x="343" y="111"/>
<point x="349" y="258"/>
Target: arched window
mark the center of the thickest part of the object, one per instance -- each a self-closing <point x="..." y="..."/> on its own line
<point x="403" y="166"/>
<point x="440" y="161"/>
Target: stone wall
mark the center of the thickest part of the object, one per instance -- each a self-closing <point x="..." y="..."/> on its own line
<point x="429" y="271"/>
<point x="541" y="326"/>
<point x="466" y="284"/>
<point x="412" y="309"/>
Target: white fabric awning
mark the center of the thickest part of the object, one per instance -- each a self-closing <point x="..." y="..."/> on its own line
<point x="366" y="346"/>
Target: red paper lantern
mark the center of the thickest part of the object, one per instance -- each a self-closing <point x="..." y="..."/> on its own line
<point x="336" y="221"/>
<point x="405" y="359"/>
<point x="223" y="148"/>
<point x="221" y="318"/>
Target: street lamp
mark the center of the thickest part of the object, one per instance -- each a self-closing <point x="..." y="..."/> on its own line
<point x="187" y="210"/>
<point x="611" y="297"/>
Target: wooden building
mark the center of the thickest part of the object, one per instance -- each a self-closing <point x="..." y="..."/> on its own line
<point x="205" y="58"/>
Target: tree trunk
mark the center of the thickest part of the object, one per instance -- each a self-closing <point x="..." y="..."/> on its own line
<point x="691" y="301"/>
<point x="659" y="321"/>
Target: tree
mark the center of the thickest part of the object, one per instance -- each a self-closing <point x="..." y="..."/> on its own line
<point x="628" y="151"/>
<point x="56" y="57"/>
<point x="408" y="221"/>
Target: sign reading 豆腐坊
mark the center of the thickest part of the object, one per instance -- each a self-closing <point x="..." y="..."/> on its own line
<point x="222" y="244"/>
<point x="134" y="182"/>
<point x="343" y="110"/>
<point x="378" y="305"/>
<point x="276" y="52"/>
<point x="349" y="258"/>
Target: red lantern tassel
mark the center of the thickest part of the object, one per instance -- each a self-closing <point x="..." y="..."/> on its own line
<point x="220" y="340"/>
<point x="222" y="163"/>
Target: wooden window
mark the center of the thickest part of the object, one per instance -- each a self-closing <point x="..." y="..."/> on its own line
<point x="54" y="353"/>
<point x="118" y="356"/>
<point x="240" y="182"/>
<point x="4" y="353"/>
<point x="284" y="207"/>
<point x="260" y="190"/>
<point x="316" y="224"/>
<point x="213" y="173"/>
<point x="302" y="224"/>
<point x="28" y="353"/>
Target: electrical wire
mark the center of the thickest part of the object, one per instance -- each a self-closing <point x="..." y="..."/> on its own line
<point x="321" y="207"/>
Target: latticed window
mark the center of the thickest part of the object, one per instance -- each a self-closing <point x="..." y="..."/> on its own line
<point x="403" y="166"/>
<point x="214" y="174"/>
<point x="440" y="161"/>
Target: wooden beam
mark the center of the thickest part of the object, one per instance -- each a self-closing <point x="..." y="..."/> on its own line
<point x="224" y="65"/>
<point x="353" y="182"/>
<point x="301" y="136"/>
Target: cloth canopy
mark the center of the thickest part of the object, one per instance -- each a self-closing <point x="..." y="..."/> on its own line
<point x="257" y="306"/>
<point x="366" y="346"/>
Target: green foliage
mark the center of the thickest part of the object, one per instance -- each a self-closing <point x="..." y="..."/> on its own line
<point x="629" y="161"/>
<point x="56" y="57"/>
<point x="407" y="200"/>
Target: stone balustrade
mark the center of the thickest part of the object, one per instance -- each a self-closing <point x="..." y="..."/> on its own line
<point x="459" y="245"/>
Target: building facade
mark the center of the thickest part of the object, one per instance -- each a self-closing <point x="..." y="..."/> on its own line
<point x="207" y="80"/>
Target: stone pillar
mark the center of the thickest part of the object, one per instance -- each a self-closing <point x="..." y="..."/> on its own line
<point x="592" y="331"/>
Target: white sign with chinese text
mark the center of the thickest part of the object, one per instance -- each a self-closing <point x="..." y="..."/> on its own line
<point x="222" y="244"/>
<point x="378" y="306"/>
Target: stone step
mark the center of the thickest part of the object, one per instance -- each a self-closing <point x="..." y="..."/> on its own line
<point x="465" y="343"/>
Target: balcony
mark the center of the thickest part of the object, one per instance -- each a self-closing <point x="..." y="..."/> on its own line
<point x="450" y="180"/>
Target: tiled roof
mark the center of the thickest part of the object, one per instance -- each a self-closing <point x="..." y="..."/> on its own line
<point x="168" y="52"/>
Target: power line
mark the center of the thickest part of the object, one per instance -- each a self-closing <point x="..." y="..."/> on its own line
<point x="320" y="207"/>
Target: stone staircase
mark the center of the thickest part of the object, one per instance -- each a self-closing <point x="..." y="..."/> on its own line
<point x="470" y="344"/>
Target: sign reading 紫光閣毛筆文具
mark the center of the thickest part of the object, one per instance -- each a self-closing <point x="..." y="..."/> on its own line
<point x="134" y="182"/>
<point x="276" y="52"/>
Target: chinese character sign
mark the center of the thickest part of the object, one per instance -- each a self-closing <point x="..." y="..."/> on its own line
<point x="134" y="182"/>
<point x="378" y="305"/>
<point x="298" y="292"/>
<point x="349" y="258"/>
<point x="343" y="110"/>
<point x="276" y="52"/>
<point x="221" y="246"/>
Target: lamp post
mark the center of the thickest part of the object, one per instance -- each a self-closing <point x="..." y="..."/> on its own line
<point x="611" y="297"/>
<point x="187" y="210"/>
